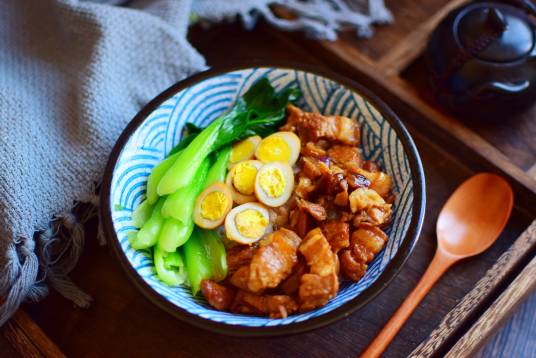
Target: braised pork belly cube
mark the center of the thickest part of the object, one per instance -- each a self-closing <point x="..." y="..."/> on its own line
<point x="311" y="127"/>
<point x="337" y="233"/>
<point x="274" y="260"/>
<point x="218" y="296"/>
<point x="274" y="306"/>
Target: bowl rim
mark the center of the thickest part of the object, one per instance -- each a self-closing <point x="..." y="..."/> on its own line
<point x="391" y="270"/>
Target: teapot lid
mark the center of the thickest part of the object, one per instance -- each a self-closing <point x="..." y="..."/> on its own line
<point x="495" y="33"/>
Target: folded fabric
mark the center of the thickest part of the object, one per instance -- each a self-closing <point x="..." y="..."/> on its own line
<point x="72" y="75"/>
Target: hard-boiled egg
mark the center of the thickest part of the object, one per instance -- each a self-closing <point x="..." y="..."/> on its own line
<point x="244" y="150"/>
<point x="279" y="147"/>
<point x="241" y="180"/>
<point x="274" y="183"/>
<point x="247" y="223"/>
<point x="212" y="205"/>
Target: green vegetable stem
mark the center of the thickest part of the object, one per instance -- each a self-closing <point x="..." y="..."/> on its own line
<point x="169" y="267"/>
<point x="156" y="175"/>
<point x="174" y="234"/>
<point x="148" y="234"/>
<point x="182" y="172"/>
<point x="216" y="253"/>
<point x="198" y="265"/>
<point x="180" y="204"/>
<point x="142" y="213"/>
<point x="218" y="170"/>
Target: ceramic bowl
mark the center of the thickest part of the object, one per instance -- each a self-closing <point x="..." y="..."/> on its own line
<point x="201" y="99"/>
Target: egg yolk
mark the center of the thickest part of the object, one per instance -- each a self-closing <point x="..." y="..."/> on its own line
<point x="244" y="178"/>
<point x="272" y="182"/>
<point x="274" y="149"/>
<point x="250" y="223"/>
<point x="242" y="150"/>
<point x="213" y="206"/>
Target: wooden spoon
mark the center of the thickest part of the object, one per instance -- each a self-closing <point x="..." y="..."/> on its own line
<point x="468" y="224"/>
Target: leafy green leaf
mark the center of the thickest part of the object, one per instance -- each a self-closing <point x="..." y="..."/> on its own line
<point x="259" y="112"/>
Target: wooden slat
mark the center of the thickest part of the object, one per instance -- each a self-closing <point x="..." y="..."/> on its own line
<point x="495" y="316"/>
<point x="532" y="171"/>
<point x="471" y="302"/>
<point x="398" y="88"/>
<point x="499" y="311"/>
<point x="407" y="50"/>
<point x="27" y="338"/>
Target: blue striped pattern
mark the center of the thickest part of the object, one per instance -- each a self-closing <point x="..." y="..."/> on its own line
<point x="204" y="102"/>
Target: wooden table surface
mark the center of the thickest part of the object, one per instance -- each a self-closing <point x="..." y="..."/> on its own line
<point x="71" y="328"/>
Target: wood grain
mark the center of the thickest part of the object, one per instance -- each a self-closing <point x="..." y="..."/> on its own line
<point x="499" y="311"/>
<point x="124" y="323"/>
<point x="471" y="302"/>
<point x="408" y="14"/>
<point x="524" y="283"/>
<point x="512" y="135"/>
<point x="27" y="338"/>
<point x="411" y="46"/>
<point x="515" y="338"/>
<point x="398" y="89"/>
<point x="532" y="171"/>
<point x="402" y="95"/>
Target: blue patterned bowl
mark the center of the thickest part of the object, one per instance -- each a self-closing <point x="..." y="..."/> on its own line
<point x="201" y="99"/>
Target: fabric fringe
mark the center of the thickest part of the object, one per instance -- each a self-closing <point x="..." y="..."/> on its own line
<point x="30" y="268"/>
<point x="319" y="19"/>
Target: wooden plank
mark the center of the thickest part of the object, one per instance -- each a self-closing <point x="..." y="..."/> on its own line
<point x="411" y="46"/>
<point x="501" y="309"/>
<point x="515" y="338"/>
<point x="27" y="338"/>
<point x="123" y="323"/>
<point x="399" y="89"/>
<point x="494" y="317"/>
<point x="513" y="135"/>
<point x="406" y="13"/>
<point x="532" y="171"/>
<point x="7" y="349"/>
<point x="472" y="301"/>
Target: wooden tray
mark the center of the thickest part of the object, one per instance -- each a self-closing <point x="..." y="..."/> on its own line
<point x="123" y="323"/>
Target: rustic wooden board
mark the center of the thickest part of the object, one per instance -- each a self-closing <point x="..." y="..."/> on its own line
<point x="440" y="338"/>
<point x="408" y="13"/>
<point x="496" y="314"/>
<point x="513" y="338"/>
<point x="514" y="136"/>
<point x="122" y="322"/>
<point x="27" y="339"/>
<point x="508" y="145"/>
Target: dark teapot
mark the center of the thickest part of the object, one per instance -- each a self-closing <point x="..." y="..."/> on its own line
<point x="482" y="60"/>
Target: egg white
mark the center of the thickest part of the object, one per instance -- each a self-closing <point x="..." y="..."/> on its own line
<point x="231" y="231"/>
<point x="238" y="197"/>
<point x="288" y="176"/>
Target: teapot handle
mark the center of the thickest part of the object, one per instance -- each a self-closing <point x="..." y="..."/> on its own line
<point x="502" y="87"/>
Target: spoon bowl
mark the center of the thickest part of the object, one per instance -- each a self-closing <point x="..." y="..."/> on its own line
<point x="469" y="223"/>
<point x="474" y="215"/>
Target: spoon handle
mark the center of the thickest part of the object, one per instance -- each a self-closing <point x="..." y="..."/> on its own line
<point x="440" y="263"/>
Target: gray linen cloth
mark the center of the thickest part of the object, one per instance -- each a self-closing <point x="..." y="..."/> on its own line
<point x="72" y="74"/>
